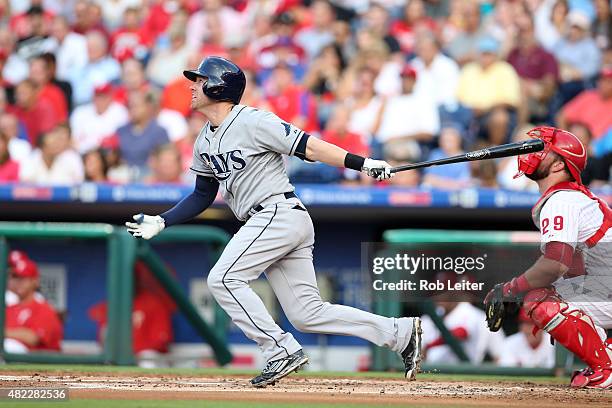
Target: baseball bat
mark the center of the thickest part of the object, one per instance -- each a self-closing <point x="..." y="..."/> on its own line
<point x="505" y="150"/>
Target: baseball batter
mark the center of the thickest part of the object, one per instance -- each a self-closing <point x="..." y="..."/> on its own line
<point x="576" y="244"/>
<point x="240" y="151"/>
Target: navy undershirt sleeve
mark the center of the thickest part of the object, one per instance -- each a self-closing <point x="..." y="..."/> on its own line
<point x="189" y="207"/>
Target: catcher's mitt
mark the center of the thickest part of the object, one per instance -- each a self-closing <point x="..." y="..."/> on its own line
<point x="498" y="307"/>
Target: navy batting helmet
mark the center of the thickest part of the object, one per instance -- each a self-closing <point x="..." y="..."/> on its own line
<point x="225" y="80"/>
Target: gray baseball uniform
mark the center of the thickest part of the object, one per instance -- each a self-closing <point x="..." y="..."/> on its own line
<point x="245" y="155"/>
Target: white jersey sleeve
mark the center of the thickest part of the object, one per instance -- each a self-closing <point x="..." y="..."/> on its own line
<point x="560" y="218"/>
<point x="273" y="134"/>
<point x="199" y="165"/>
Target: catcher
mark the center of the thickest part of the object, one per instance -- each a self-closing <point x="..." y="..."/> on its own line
<point x="575" y="242"/>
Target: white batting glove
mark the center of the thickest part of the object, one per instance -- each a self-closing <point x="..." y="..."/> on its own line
<point x="379" y="169"/>
<point x="146" y="226"/>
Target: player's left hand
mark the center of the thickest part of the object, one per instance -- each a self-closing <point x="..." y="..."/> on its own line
<point x="379" y="169"/>
<point x="501" y="303"/>
<point x="146" y="226"/>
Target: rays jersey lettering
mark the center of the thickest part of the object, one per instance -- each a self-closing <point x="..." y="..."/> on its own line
<point x="223" y="164"/>
<point x="245" y="154"/>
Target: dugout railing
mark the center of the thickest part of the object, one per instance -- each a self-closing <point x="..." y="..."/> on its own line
<point x="122" y="250"/>
<point x="392" y="305"/>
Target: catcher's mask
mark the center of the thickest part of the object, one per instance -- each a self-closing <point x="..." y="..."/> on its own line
<point x="562" y="142"/>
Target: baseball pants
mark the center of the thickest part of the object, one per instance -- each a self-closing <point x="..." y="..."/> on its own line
<point x="278" y="241"/>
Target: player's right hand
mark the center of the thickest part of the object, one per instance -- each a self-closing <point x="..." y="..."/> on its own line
<point x="146" y="226"/>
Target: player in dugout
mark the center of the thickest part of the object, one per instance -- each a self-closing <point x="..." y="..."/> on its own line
<point x="567" y="291"/>
<point x="31" y="323"/>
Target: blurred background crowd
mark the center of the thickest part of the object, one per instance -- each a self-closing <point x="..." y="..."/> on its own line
<point x="92" y="90"/>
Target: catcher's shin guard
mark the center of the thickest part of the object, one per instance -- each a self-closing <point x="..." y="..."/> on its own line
<point x="570" y="327"/>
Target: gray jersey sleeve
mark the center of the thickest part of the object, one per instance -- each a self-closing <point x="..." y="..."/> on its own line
<point x="274" y="134"/>
<point x="199" y="165"/>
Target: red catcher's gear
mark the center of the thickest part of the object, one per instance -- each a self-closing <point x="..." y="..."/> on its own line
<point x="562" y="142"/>
<point x="570" y="327"/>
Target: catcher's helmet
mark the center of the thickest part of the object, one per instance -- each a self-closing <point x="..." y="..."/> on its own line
<point x="562" y="142"/>
<point x="225" y="80"/>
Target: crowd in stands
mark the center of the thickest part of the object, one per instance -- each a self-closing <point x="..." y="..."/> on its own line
<point x="92" y="90"/>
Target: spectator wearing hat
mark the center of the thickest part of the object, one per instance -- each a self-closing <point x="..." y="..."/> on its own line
<point x="491" y="88"/>
<point x="437" y="74"/>
<point x="32" y="323"/>
<point x="142" y="134"/>
<point x="69" y="48"/>
<point x="578" y="56"/>
<point x="591" y="107"/>
<point x="408" y="120"/>
<point x="91" y="123"/>
<point x="538" y="70"/>
<point x="316" y="36"/>
<point x="100" y="68"/>
<point x="528" y="347"/>
<point x="453" y="176"/>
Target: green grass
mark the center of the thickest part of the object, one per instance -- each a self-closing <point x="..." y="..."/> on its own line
<point x="194" y="372"/>
<point x="199" y="404"/>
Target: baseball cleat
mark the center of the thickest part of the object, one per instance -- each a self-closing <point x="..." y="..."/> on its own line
<point x="277" y="369"/>
<point x="412" y="353"/>
<point x="589" y="378"/>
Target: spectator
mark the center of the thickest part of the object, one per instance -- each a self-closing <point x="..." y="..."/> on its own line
<point x="413" y="21"/>
<point x="176" y="95"/>
<point x="129" y="39"/>
<point x="502" y="23"/>
<point x="21" y="23"/>
<point x="9" y="168"/>
<point x="34" y="40"/>
<point x="550" y="22"/>
<point x="31" y="324"/>
<point x="407" y="120"/>
<point x="290" y="101"/>
<point x="142" y="134"/>
<point x="602" y="26"/>
<point x="115" y="12"/>
<point x="88" y="18"/>
<point x="591" y="107"/>
<point x="54" y="162"/>
<point x="452" y="176"/>
<point x="95" y="166"/>
<point x="93" y="122"/>
<point x="198" y="28"/>
<point x="69" y="47"/>
<point x="100" y="68"/>
<point x="343" y="38"/>
<point x="165" y="164"/>
<point x="41" y="75"/>
<point x="165" y="63"/>
<point x="253" y="94"/>
<point x="14" y="69"/>
<point x="365" y="106"/>
<point x="19" y="148"/>
<point x="37" y="115"/>
<point x="437" y="74"/>
<point x="316" y="36"/>
<point x="464" y="47"/>
<point x="133" y="78"/>
<point x="578" y="56"/>
<point x="151" y="318"/>
<point x="64" y="86"/>
<point x="538" y="71"/>
<point x="530" y="347"/>
<point x="491" y="88"/>
<point x="377" y="20"/>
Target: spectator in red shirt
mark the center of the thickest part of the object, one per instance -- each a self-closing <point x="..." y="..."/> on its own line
<point x="151" y="317"/>
<point x="9" y="168"/>
<point x="413" y="20"/>
<point x="41" y="75"/>
<point x="592" y="107"/>
<point x="537" y="69"/>
<point x="31" y="324"/>
<point x="129" y="38"/>
<point x="37" y="115"/>
<point x="290" y="101"/>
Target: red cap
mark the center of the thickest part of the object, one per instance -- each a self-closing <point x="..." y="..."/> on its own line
<point x="606" y="72"/>
<point x="103" y="89"/>
<point x="408" y="71"/>
<point x="21" y="265"/>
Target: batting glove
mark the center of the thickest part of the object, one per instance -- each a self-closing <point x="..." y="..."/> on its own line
<point x="146" y="226"/>
<point x="379" y="169"/>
